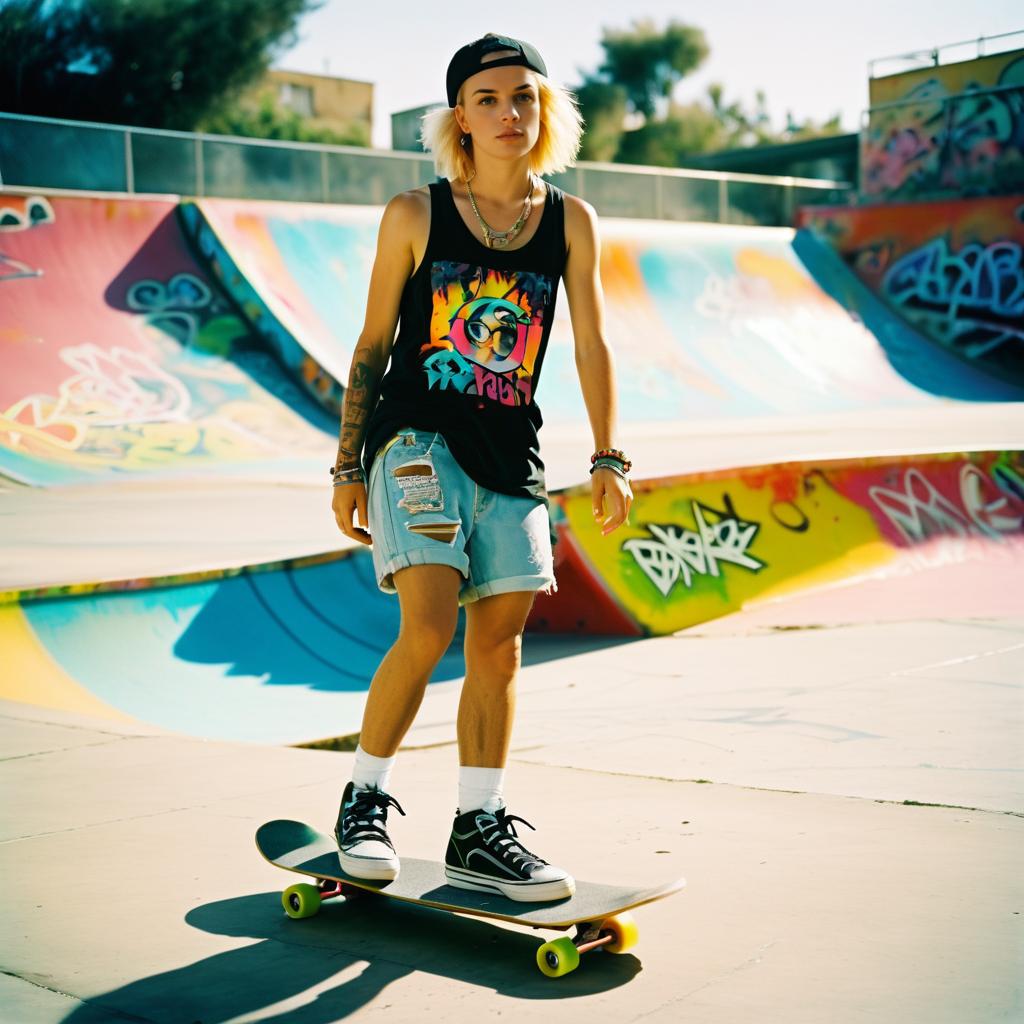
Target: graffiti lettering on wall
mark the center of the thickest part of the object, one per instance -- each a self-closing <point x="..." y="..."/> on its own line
<point x="140" y="408"/>
<point x="972" y="299"/>
<point x="674" y="552"/>
<point x="21" y="214"/>
<point x="919" y="511"/>
<point x="109" y="387"/>
<point x="947" y="137"/>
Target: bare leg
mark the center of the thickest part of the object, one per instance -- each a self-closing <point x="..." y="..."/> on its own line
<point x="494" y="627"/>
<point x="429" y="599"/>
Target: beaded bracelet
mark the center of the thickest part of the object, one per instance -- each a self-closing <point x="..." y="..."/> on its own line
<point x="612" y="453"/>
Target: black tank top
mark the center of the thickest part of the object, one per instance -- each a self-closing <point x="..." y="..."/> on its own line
<point x="473" y="329"/>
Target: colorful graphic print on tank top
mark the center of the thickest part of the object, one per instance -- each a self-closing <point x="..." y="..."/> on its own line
<point x="486" y="328"/>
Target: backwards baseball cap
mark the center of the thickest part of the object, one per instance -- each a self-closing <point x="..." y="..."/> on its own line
<point x="468" y="60"/>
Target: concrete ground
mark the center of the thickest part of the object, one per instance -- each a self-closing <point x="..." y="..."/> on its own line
<point x="841" y="783"/>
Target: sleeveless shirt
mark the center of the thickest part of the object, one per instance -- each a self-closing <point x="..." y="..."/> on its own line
<point x="473" y="329"/>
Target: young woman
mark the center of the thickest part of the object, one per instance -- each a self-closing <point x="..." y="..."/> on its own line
<point x="451" y="485"/>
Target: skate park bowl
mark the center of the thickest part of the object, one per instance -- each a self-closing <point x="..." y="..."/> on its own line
<point x="173" y="368"/>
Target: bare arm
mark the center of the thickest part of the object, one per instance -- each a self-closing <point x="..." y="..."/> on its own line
<point x="400" y="225"/>
<point x="595" y="363"/>
<point x="611" y="494"/>
<point x="391" y="268"/>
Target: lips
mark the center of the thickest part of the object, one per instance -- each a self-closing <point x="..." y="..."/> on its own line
<point x="510" y="135"/>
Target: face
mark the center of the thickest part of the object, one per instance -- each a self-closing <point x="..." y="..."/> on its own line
<point x="500" y="108"/>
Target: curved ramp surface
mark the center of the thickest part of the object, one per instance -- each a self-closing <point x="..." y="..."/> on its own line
<point x="715" y="329"/>
<point x="951" y="270"/>
<point x="122" y="358"/>
<point x="282" y="656"/>
<point x="708" y="321"/>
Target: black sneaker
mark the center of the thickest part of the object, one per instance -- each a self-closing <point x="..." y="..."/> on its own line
<point x="485" y="854"/>
<point x="364" y="848"/>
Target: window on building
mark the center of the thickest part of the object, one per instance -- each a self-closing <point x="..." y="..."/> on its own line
<point x="298" y="98"/>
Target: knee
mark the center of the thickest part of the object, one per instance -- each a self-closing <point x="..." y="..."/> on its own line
<point x="430" y="637"/>
<point x="495" y="658"/>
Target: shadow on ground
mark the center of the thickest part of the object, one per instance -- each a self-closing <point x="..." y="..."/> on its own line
<point x="368" y="943"/>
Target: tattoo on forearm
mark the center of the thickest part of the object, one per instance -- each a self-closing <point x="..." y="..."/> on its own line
<point x="360" y="398"/>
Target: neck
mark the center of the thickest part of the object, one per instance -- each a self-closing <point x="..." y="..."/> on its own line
<point x="502" y="181"/>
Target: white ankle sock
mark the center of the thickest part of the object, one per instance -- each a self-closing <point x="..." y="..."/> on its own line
<point x="480" y="787"/>
<point x="372" y="771"/>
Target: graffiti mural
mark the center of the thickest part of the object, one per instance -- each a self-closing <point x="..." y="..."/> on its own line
<point x="953" y="269"/>
<point x="299" y="272"/>
<point x="971" y="299"/>
<point x="956" y="129"/>
<point x="701" y="546"/>
<point x="120" y="357"/>
<point x="677" y="553"/>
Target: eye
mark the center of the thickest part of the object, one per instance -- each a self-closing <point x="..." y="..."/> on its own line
<point x="477" y="331"/>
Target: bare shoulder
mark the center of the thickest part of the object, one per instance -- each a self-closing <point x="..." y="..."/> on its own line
<point x="580" y="223"/>
<point x="409" y="208"/>
<point x="405" y="222"/>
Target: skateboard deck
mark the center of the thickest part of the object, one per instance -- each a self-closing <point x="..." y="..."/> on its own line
<point x="597" y="911"/>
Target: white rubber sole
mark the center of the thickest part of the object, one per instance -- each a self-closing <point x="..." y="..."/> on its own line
<point x="524" y="892"/>
<point x="371" y="870"/>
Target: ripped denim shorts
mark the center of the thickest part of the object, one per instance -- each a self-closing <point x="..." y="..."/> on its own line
<point x="423" y="508"/>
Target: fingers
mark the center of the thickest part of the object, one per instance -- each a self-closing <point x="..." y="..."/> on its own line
<point x="346" y="500"/>
<point x="617" y="500"/>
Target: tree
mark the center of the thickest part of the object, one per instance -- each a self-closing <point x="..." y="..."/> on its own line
<point x="603" y="106"/>
<point x="267" y="120"/>
<point x="157" y="63"/>
<point x="641" y="69"/>
<point x="648" y="63"/>
<point x="690" y="128"/>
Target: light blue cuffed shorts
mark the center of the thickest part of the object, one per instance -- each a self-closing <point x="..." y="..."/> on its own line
<point x="499" y="542"/>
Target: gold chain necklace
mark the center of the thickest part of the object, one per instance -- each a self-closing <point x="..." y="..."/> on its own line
<point x="500" y="239"/>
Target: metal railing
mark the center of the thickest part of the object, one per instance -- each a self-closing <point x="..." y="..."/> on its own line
<point x="932" y="55"/>
<point x="44" y="153"/>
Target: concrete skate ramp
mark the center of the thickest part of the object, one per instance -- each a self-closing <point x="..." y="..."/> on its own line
<point x="949" y="272"/>
<point x="283" y="656"/>
<point x="712" y="321"/>
<point x="286" y="655"/>
<point x="196" y="597"/>
<point x="123" y="360"/>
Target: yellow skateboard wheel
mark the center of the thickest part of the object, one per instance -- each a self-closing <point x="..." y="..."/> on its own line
<point x="301" y="900"/>
<point x="558" y="957"/>
<point x="626" y="933"/>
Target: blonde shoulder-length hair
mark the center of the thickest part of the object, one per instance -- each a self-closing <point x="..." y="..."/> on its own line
<point x="558" y="142"/>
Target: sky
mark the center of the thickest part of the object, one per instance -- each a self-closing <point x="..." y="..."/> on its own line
<point x="809" y="57"/>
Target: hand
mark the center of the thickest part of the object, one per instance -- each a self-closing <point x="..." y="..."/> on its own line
<point x="347" y="499"/>
<point x="610" y="488"/>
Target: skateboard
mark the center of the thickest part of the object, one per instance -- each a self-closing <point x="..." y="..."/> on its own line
<point x="597" y="912"/>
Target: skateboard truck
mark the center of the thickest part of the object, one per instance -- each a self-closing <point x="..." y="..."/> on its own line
<point x="615" y="934"/>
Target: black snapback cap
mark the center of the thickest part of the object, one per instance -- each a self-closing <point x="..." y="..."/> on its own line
<point x="468" y="60"/>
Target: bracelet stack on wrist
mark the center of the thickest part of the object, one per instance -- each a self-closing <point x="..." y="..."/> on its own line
<point x="350" y="475"/>
<point x="613" y="459"/>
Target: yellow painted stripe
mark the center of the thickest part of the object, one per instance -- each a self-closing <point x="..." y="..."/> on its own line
<point x="31" y="676"/>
